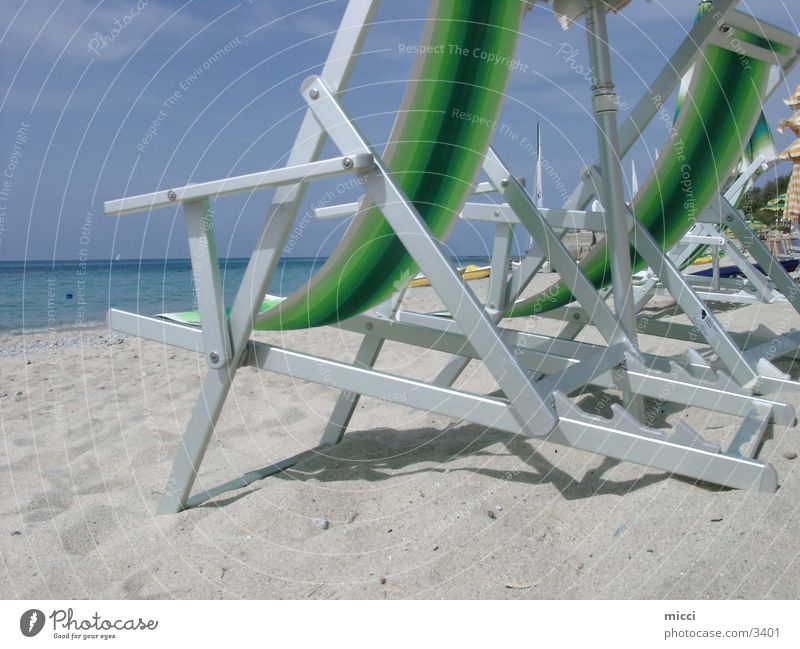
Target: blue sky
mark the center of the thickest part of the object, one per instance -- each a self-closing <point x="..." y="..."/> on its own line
<point x="79" y="94"/>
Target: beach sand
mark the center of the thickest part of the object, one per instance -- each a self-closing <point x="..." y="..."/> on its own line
<point x="418" y="506"/>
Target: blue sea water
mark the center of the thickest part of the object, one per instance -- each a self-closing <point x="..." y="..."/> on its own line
<point x="37" y="295"/>
<point x="68" y="294"/>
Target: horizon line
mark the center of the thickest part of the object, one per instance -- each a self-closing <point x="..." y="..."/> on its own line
<point x="221" y="259"/>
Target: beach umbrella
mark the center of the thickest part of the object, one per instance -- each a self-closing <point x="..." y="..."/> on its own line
<point x="792" y="154"/>
<point x="794" y="100"/>
<point x="568" y="11"/>
<point x="792" y="123"/>
<point x="792" y="203"/>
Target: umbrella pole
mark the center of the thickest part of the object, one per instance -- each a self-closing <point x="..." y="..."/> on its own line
<point x="605" y="107"/>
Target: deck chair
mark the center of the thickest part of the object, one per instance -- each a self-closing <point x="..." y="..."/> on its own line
<point x="739" y="63"/>
<point x="414" y="193"/>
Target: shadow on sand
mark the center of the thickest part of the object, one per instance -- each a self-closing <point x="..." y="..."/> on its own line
<point x="386" y="453"/>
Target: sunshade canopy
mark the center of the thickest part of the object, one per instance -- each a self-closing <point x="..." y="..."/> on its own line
<point x="568" y="11"/>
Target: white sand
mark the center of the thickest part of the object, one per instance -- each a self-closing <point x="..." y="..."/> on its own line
<point x="89" y="432"/>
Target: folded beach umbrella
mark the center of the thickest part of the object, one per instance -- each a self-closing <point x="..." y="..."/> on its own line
<point x="792" y="153"/>
<point x="792" y="207"/>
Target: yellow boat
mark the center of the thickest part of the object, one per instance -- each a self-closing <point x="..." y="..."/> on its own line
<point x="703" y="260"/>
<point x="469" y="273"/>
<point x="707" y="259"/>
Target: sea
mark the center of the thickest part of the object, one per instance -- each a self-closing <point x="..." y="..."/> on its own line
<point x="43" y="295"/>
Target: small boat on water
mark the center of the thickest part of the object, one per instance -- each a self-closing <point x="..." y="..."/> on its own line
<point x="469" y="273"/>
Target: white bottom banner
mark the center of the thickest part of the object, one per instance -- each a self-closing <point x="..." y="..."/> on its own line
<point x="400" y="623"/>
